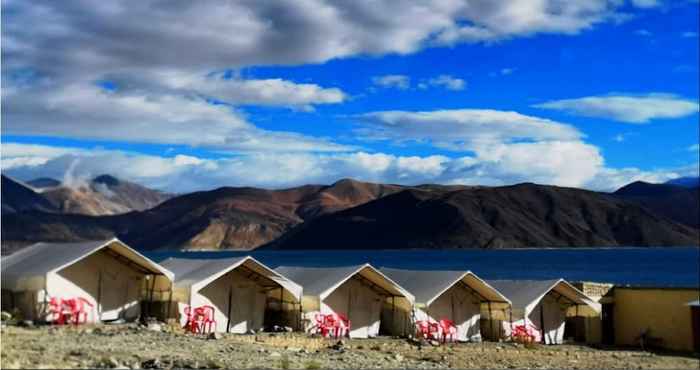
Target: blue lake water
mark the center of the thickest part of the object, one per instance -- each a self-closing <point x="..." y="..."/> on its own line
<point x="631" y="266"/>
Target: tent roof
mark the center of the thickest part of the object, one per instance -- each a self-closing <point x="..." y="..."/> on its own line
<point x="693" y="303"/>
<point x="321" y="281"/>
<point x="527" y="293"/>
<point x="428" y="285"/>
<point x="40" y="259"/>
<point x="196" y="273"/>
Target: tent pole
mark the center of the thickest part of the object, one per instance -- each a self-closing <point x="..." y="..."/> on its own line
<point x="150" y="300"/>
<point x="99" y="295"/>
<point x="542" y="323"/>
<point x="488" y="303"/>
<point x="170" y="302"/>
<point x="393" y="314"/>
<point x="230" y="298"/>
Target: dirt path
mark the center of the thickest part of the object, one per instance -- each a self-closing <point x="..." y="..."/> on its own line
<point x="133" y="347"/>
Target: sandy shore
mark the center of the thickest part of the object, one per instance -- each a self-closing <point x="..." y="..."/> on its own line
<point x="130" y="346"/>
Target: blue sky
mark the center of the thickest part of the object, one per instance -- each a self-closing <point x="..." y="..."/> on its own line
<point x="594" y="95"/>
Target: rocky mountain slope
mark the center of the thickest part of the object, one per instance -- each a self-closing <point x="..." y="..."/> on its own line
<point x="352" y="214"/>
<point x="678" y="203"/>
<point x="17" y="197"/>
<point x="103" y="195"/>
<point x="525" y="215"/>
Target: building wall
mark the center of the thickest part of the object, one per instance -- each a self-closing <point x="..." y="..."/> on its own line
<point x="663" y="311"/>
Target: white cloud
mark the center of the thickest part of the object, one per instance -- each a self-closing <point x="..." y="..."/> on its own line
<point x="401" y="82"/>
<point x="89" y="112"/>
<point x="689" y="34"/>
<point x="619" y="138"/>
<point x="462" y="129"/>
<point x="694" y="148"/>
<point x="507" y="71"/>
<point x="265" y="92"/>
<point x="89" y="38"/>
<point x="643" y="32"/>
<point x="626" y="108"/>
<point x="448" y="82"/>
<point x="558" y="163"/>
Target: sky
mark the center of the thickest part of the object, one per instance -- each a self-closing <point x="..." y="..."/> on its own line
<point x="183" y="96"/>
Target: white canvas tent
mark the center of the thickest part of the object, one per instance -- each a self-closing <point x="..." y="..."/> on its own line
<point x="459" y="296"/>
<point x="240" y="290"/>
<point x="112" y="276"/>
<point x="544" y="304"/>
<point x="359" y="292"/>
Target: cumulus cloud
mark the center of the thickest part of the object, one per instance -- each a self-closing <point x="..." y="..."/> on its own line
<point x="646" y="3"/>
<point x="626" y="108"/>
<point x="462" y="129"/>
<point x="694" y="148"/>
<point x="401" y="82"/>
<point x="86" y="37"/>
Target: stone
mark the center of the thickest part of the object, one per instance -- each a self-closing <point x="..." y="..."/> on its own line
<point x="275" y="354"/>
<point x="434" y="343"/>
<point x="153" y="363"/>
<point x="214" y="335"/>
<point x="26" y="323"/>
<point x="288" y="329"/>
<point x="112" y="363"/>
<point x="398" y="357"/>
<point x="4" y="316"/>
<point x="154" y="326"/>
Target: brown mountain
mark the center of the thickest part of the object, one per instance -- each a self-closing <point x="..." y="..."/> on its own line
<point x="679" y="203"/>
<point x="103" y="195"/>
<point x="225" y="218"/>
<point x="525" y="215"/>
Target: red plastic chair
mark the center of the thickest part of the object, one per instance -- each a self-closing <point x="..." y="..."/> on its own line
<point x="58" y="310"/>
<point x="341" y="325"/>
<point x="524" y="333"/>
<point x="426" y="329"/>
<point x="193" y="324"/>
<point x="322" y="324"/>
<point x="79" y="312"/>
<point x="207" y="316"/>
<point x="449" y="330"/>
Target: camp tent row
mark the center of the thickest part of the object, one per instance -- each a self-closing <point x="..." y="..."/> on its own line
<point x="246" y="295"/>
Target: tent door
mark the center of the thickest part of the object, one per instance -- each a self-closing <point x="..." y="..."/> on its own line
<point x="361" y="307"/>
<point x="113" y="295"/>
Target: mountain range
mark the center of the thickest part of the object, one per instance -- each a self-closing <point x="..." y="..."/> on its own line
<point x="349" y="214"/>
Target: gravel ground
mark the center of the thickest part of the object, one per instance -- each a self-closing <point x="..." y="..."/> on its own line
<point x="130" y="346"/>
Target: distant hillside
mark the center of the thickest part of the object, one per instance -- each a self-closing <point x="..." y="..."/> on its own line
<point x="17" y="197"/>
<point x="103" y="195"/>
<point x="225" y="218"/>
<point x="352" y="214"/>
<point x="678" y="203"/>
<point x="688" y="182"/>
<point x="524" y="215"/>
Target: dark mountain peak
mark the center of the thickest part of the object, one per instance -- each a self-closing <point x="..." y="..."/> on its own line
<point x="641" y="188"/>
<point x="108" y="180"/>
<point x="17" y="197"/>
<point x="688" y="182"/>
<point x="44" y="182"/>
<point x="347" y="182"/>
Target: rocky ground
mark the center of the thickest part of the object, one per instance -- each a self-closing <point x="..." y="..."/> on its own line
<point x="131" y="346"/>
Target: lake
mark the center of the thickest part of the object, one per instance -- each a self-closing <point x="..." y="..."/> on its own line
<point x="630" y="266"/>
